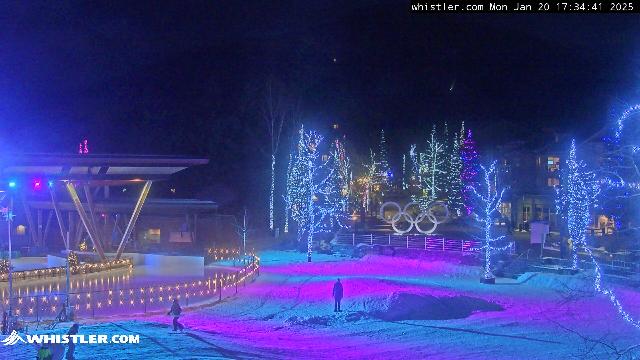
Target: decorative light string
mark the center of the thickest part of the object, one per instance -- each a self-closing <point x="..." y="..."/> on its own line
<point x="135" y="297"/>
<point x="577" y="196"/>
<point x="489" y="199"/>
<point x="78" y="269"/>
<point x="316" y="192"/>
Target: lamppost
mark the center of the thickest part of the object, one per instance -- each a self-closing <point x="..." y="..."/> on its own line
<point x="8" y="214"/>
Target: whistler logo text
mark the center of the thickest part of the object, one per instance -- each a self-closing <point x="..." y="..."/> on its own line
<point x="15" y="338"/>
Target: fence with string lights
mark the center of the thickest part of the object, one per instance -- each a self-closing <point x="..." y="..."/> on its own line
<point x="134" y="300"/>
<point x="86" y="268"/>
<point x="222" y="254"/>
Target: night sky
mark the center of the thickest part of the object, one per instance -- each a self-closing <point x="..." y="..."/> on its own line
<point x="186" y="78"/>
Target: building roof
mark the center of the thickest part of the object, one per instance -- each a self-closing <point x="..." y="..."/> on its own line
<point x="151" y="206"/>
<point x="107" y="168"/>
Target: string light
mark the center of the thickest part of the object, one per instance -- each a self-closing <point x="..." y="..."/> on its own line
<point x="469" y="174"/>
<point x="318" y="203"/>
<point x="579" y="198"/>
<point x="431" y="169"/>
<point x="454" y="194"/>
<point x="190" y="290"/>
<point x="575" y="199"/>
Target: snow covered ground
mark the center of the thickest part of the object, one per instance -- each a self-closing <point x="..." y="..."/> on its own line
<point x="394" y="307"/>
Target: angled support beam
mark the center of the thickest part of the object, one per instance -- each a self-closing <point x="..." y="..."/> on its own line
<point x="134" y="218"/>
<point x="85" y="219"/>
<point x="87" y="193"/>
<point x="39" y="225"/>
<point x="33" y="230"/>
<point x="46" y="227"/>
<point x="63" y="232"/>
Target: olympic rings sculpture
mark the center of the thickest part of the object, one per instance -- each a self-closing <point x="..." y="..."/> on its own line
<point x="406" y="215"/>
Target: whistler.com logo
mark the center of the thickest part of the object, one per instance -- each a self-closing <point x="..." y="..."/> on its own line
<point x="15" y="338"/>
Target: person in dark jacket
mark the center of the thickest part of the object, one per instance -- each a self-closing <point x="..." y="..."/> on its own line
<point x="175" y="311"/>
<point x="73" y="330"/>
<point x="337" y="295"/>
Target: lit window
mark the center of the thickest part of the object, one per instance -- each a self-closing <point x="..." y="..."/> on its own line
<point x="526" y="213"/>
<point x="325" y="157"/>
<point x="552" y="181"/>
<point x="505" y="209"/>
<point x="336" y="126"/>
<point x="553" y="163"/>
<point x="152" y="235"/>
<point x="21" y="230"/>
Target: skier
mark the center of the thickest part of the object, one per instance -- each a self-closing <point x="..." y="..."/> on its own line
<point x="175" y="311"/>
<point x="337" y="295"/>
<point x="72" y="346"/>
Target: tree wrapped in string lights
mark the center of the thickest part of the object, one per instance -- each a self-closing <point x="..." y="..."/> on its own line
<point x="488" y="199"/>
<point x="317" y="200"/>
<point x="620" y="173"/>
<point x="383" y="159"/>
<point x="454" y="193"/>
<point x="432" y="168"/>
<point x="575" y="199"/>
<point x="371" y="183"/>
<point x="296" y="195"/>
<point x="287" y="195"/>
<point x="619" y="179"/>
<point x="469" y="173"/>
<point x="342" y="174"/>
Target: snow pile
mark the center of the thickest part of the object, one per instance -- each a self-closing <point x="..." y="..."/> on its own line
<point x="409" y="306"/>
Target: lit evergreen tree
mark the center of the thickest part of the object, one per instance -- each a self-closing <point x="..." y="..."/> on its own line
<point x="456" y="205"/>
<point x="469" y="174"/>
<point x="446" y="166"/>
<point x="383" y="159"/>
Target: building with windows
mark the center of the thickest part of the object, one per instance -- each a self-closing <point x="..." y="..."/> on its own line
<point x="106" y="204"/>
<point x="532" y="175"/>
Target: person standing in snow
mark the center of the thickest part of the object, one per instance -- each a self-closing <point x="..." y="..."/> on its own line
<point x="337" y="295"/>
<point x="72" y="346"/>
<point x="175" y="311"/>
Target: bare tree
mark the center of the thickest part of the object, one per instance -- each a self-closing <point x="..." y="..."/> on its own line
<point x="242" y="229"/>
<point x="277" y="110"/>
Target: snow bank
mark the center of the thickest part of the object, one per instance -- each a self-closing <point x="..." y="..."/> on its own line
<point x="409" y="306"/>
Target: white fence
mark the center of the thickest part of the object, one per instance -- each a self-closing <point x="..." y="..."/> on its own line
<point x="417" y="242"/>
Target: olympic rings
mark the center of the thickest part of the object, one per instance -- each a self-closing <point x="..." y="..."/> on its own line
<point x="406" y="214"/>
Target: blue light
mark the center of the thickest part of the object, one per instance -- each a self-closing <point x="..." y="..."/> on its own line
<point x="50" y="183"/>
<point x="12" y="184"/>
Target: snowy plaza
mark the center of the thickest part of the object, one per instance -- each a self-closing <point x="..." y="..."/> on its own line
<point x="393" y="308"/>
<point x="354" y="179"/>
